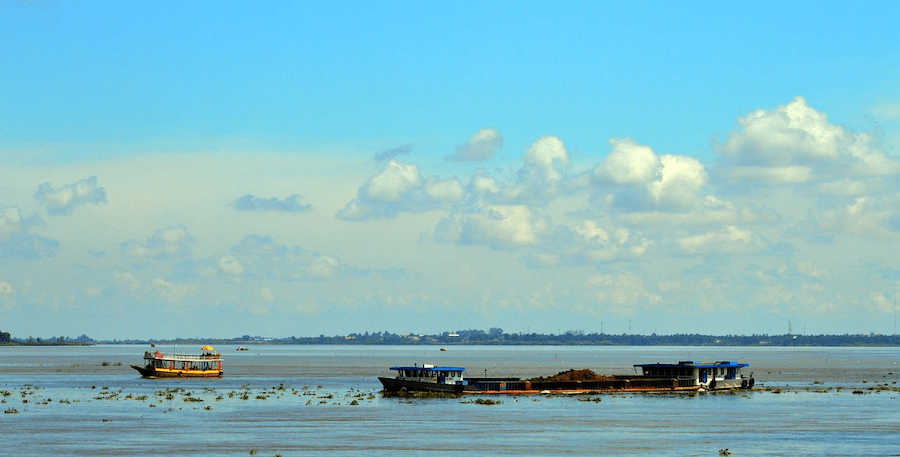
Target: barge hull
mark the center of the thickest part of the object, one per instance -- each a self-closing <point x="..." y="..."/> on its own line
<point x="398" y="385"/>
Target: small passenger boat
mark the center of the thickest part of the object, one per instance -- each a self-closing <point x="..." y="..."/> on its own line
<point x="681" y="376"/>
<point x="208" y="364"/>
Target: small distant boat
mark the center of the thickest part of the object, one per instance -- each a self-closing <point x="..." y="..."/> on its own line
<point x="241" y="348"/>
<point x="208" y="364"/>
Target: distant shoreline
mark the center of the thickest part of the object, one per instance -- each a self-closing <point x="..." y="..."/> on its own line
<point x="480" y="338"/>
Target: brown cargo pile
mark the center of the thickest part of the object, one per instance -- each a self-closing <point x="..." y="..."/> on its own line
<point x="574" y="375"/>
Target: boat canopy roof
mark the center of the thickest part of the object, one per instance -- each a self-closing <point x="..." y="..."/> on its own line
<point x="429" y="368"/>
<point x="695" y="364"/>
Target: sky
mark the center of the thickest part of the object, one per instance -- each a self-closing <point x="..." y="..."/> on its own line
<point x="218" y="169"/>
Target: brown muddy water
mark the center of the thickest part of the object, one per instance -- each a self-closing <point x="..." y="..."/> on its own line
<point x="325" y="400"/>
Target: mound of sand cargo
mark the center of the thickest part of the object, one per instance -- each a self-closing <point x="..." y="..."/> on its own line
<point x="584" y="375"/>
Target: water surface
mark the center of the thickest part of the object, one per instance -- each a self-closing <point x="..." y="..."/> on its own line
<point x="325" y="400"/>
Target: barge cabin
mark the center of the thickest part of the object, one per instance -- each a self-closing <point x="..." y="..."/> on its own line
<point x="708" y="376"/>
<point x="426" y="378"/>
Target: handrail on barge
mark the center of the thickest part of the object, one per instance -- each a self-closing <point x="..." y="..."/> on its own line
<point x="194" y="357"/>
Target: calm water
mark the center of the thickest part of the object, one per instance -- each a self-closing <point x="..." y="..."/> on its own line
<point x="324" y="400"/>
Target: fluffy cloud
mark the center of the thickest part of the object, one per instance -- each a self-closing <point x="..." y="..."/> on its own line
<point x="382" y="194"/>
<point x="450" y="190"/>
<point x="545" y="158"/>
<point x="12" y="221"/>
<point x="229" y="264"/>
<point x="171" y="291"/>
<point x="68" y="197"/>
<point x="640" y="179"/>
<point x="680" y="181"/>
<point x="170" y="242"/>
<point x="795" y="143"/>
<point x="16" y="240"/>
<point x="628" y="163"/>
<point x="865" y="217"/>
<point x="288" y="205"/>
<point x="399" y="188"/>
<point x="588" y="243"/>
<point x="498" y="226"/>
<point x="481" y="146"/>
<point x="261" y="257"/>
<point x="392" y="183"/>
<point x="727" y="241"/>
<point x="621" y="292"/>
<point x="324" y="267"/>
<point x="484" y="185"/>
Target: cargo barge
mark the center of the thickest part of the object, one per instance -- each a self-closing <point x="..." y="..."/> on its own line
<point x="681" y="376"/>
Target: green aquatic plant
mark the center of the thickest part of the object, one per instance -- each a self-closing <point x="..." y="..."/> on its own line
<point x="484" y="401"/>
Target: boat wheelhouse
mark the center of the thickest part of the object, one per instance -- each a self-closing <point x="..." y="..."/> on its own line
<point x="709" y="376"/>
<point x="208" y="364"/>
<point x="426" y="378"/>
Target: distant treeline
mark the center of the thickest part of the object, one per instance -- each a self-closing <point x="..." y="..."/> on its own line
<point x="496" y="336"/>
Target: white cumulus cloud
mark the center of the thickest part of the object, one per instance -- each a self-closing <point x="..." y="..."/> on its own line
<point x="499" y="226"/>
<point x="70" y="196"/>
<point x="680" y="181"/>
<point x="628" y="163"/>
<point x="169" y="242"/>
<point x="252" y="203"/>
<point x="639" y="179"/>
<point x="450" y="190"/>
<point x="481" y="146"/>
<point x="392" y="183"/>
<point x="545" y="157"/>
<point x="796" y="143"/>
<point x="17" y="242"/>
<point x="726" y="241"/>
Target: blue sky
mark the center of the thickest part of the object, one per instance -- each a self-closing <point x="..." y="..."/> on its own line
<point x="300" y="168"/>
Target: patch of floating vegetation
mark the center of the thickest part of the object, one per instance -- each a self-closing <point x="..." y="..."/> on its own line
<point x="484" y="401"/>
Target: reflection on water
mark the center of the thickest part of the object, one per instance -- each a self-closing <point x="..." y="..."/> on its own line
<point x="303" y="400"/>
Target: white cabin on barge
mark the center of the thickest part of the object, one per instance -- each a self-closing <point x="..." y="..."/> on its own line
<point x="709" y="376"/>
<point x="426" y="378"/>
